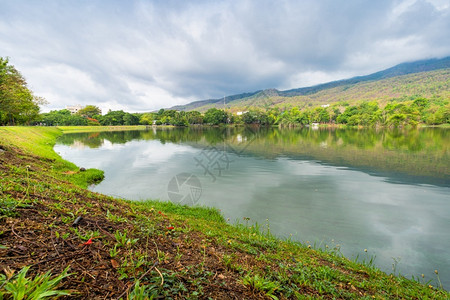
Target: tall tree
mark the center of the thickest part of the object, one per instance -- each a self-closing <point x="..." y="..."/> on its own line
<point x="18" y="105"/>
<point x="215" y="116"/>
<point x="89" y="111"/>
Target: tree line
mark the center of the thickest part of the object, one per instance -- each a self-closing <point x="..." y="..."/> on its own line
<point x="18" y="105"/>
<point x="394" y="114"/>
<point x="88" y="116"/>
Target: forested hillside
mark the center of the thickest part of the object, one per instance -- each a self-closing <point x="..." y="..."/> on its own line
<point x="432" y="84"/>
<point x="425" y="78"/>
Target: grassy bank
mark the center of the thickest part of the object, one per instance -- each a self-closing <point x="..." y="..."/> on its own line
<point x="39" y="142"/>
<point x="95" y="246"/>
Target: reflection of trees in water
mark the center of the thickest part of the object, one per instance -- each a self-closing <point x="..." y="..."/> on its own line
<point x="415" y="140"/>
<point x="381" y="149"/>
<point x="417" y="152"/>
<point x="96" y="139"/>
<point x="395" y="139"/>
<point x="362" y="138"/>
<point x="427" y="139"/>
<point x="89" y="140"/>
<point x="407" y="140"/>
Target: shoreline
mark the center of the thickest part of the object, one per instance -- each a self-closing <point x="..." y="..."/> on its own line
<point x="221" y="260"/>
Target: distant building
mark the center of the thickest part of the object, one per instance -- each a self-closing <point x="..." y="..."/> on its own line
<point x="325" y="105"/>
<point x="240" y="113"/>
<point x="74" y="109"/>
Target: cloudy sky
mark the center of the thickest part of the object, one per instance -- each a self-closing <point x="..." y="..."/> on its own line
<point x="144" y="55"/>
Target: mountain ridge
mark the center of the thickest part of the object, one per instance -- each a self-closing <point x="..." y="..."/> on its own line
<point x="402" y="69"/>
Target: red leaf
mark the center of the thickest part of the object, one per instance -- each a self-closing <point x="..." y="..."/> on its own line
<point x="88" y="242"/>
<point x="170" y="228"/>
<point x="114" y="263"/>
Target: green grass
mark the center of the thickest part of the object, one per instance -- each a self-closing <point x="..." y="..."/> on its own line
<point x="36" y="140"/>
<point x="40" y="141"/>
<point x="162" y="249"/>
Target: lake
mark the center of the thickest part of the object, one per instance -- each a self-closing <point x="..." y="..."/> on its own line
<point x="387" y="191"/>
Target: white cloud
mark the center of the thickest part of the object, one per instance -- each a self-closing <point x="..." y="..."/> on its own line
<point x="143" y="55"/>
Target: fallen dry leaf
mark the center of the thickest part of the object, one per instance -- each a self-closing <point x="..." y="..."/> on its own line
<point x="114" y="263"/>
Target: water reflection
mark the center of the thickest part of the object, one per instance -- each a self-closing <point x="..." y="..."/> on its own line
<point x="317" y="185"/>
<point x="414" y="156"/>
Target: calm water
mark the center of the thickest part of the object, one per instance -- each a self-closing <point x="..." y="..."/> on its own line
<point x="384" y="191"/>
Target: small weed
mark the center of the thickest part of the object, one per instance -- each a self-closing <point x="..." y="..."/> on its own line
<point x="115" y="218"/>
<point x="439" y="279"/>
<point x="227" y="260"/>
<point x="261" y="285"/>
<point x="123" y="240"/>
<point x="162" y="256"/>
<point x="27" y="190"/>
<point x="113" y="252"/>
<point x="68" y="219"/>
<point x="178" y="255"/>
<point x="41" y="286"/>
<point x="80" y="211"/>
<point x="395" y="264"/>
<point x="143" y="292"/>
<point x="88" y="234"/>
<point x="8" y="206"/>
<point x="57" y="206"/>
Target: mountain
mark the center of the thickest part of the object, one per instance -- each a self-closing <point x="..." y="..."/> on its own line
<point x="201" y="103"/>
<point x="398" y="70"/>
<point x="425" y="78"/>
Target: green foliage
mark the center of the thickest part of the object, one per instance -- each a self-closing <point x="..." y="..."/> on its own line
<point x="40" y="287"/>
<point x="113" y="118"/>
<point x="401" y="112"/>
<point x="203" y="213"/>
<point x="90" y="115"/>
<point x="436" y="115"/>
<point x="194" y="117"/>
<point x="18" y="105"/>
<point x="147" y="118"/>
<point x="215" y="116"/>
<point x="62" y="117"/>
<point x="88" y="177"/>
<point x="432" y="84"/>
<point x="123" y="240"/>
<point x="130" y="119"/>
<point x="365" y="114"/>
<point x="143" y="292"/>
<point x="89" y="111"/>
<point x="394" y="114"/>
<point x="255" y="116"/>
<point x="261" y="285"/>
